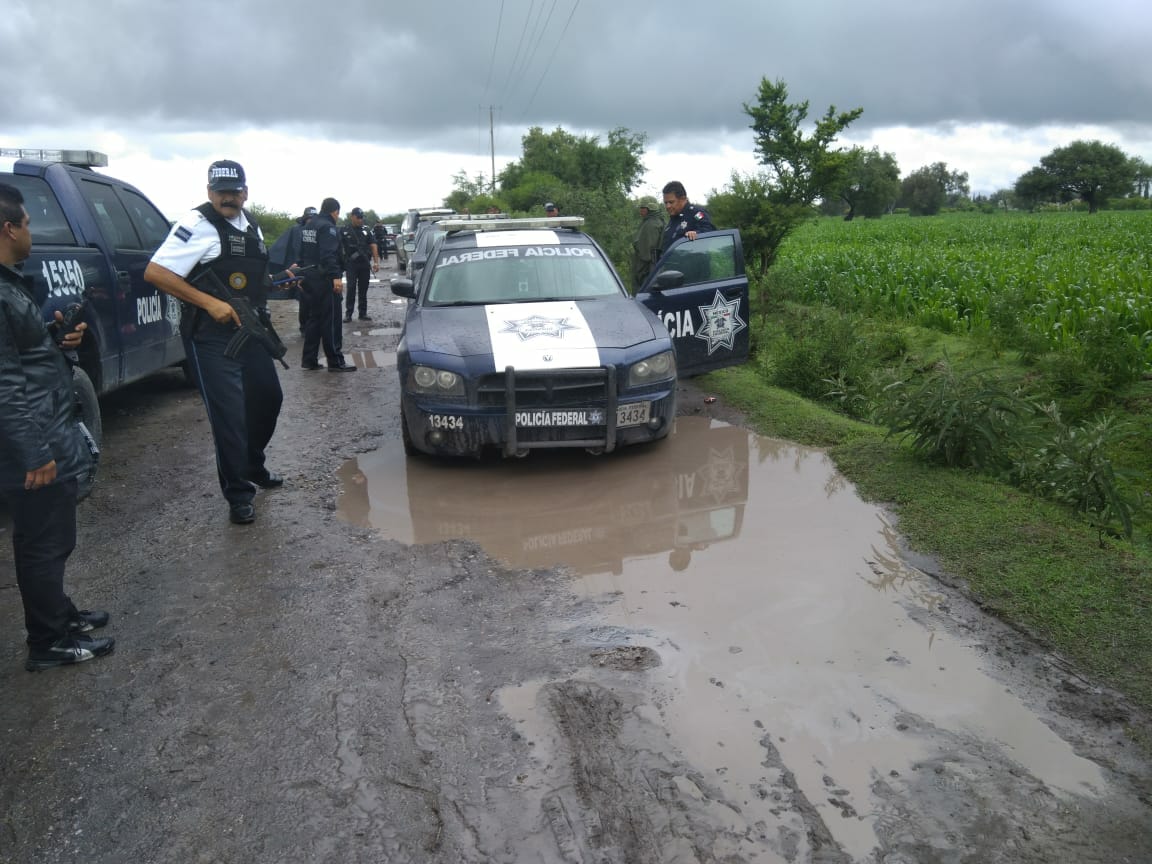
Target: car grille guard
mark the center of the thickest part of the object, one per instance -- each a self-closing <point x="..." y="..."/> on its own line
<point x="555" y="389"/>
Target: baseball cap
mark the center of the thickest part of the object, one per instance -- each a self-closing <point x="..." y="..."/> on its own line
<point x="356" y="211"/>
<point x="550" y="206"/>
<point x="649" y="202"/>
<point x="309" y="211"/>
<point x="225" y="175"/>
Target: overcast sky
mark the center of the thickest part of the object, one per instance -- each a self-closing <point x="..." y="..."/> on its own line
<point x="379" y="102"/>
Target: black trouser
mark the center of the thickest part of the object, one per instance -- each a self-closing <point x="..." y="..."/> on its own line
<point x="43" y="536"/>
<point x="322" y="324"/>
<point x="242" y="395"/>
<point x="358" y="276"/>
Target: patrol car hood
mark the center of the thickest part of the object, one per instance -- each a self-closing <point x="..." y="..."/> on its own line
<point x="511" y="331"/>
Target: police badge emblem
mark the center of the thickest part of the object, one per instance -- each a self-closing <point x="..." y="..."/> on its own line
<point x="238" y="281"/>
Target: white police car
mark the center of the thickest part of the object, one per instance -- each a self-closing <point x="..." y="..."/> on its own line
<point x="521" y="336"/>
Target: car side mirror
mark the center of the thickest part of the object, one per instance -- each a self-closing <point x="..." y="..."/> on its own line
<point x="404" y="287"/>
<point x="667" y="279"/>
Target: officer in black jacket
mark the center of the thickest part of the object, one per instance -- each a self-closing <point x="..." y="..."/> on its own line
<point x="361" y="259"/>
<point x="323" y="287"/>
<point x="42" y="455"/>
<point x="684" y="219"/>
<point x="241" y="392"/>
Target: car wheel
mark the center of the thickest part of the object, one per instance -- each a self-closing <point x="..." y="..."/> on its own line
<point x="409" y="447"/>
<point x="88" y="407"/>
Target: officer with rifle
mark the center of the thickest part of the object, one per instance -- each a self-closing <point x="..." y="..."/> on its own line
<point x="215" y="262"/>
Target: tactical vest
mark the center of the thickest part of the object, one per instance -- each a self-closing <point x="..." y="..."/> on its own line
<point x="243" y="261"/>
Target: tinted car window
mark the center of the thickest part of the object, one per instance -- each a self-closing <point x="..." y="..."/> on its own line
<point x="706" y="258"/>
<point x="47" y="224"/>
<point x="517" y="274"/>
<point x="150" y="222"/>
<point x="111" y="214"/>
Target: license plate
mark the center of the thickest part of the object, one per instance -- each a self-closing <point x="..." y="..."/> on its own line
<point x="573" y="417"/>
<point x="633" y="414"/>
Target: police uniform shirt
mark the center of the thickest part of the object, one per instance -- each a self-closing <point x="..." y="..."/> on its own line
<point x="194" y="240"/>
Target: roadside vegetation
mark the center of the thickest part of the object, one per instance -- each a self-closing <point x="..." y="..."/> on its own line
<point x="986" y="377"/>
<point x="981" y="364"/>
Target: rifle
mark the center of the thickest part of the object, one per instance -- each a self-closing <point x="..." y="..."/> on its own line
<point x="291" y="275"/>
<point x="253" y="324"/>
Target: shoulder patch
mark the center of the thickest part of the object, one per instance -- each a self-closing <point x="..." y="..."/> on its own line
<point x="182" y="233"/>
<point x="699" y="215"/>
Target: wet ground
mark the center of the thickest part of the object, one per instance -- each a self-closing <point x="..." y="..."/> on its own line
<point x="706" y="650"/>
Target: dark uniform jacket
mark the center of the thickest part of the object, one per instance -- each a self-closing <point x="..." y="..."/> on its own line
<point x="320" y="245"/>
<point x="691" y="218"/>
<point x="357" y="246"/>
<point x="38" y="414"/>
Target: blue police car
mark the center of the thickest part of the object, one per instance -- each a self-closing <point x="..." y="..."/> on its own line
<point x="520" y="335"/>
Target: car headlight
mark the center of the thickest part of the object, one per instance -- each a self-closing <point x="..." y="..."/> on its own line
<point x="440" y="382"/>
<point x="658" y="367"/>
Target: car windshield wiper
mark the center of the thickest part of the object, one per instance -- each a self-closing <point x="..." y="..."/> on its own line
<point x="446" y="303"/>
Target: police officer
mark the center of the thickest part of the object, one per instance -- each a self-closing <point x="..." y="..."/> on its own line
<point x="323" y="287"/>
<point x="286" y="251"/>
<point x="361" y="259"/>
<point x="42" y="455"/>
<point x="242" y="393"/>
<point x="684" y="219"/>
<point x="648" y="243"/>
<point x="381" y="234"/>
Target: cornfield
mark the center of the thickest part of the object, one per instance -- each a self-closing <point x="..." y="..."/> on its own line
<point x="1051" y="281"/>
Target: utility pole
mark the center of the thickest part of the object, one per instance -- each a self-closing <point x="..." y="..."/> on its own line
<point x="492" y="148"/>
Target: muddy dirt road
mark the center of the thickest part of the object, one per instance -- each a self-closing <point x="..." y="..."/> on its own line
<point x="704" y="651"/>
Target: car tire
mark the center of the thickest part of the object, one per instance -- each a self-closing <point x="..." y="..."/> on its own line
<point x="89" y="412"/>
<point x="409" y="447"/>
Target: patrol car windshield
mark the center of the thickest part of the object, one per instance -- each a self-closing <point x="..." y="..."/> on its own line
<point x="518" y="274"/>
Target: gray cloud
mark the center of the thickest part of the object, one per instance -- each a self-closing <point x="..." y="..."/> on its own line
<point x="424" y="74"/>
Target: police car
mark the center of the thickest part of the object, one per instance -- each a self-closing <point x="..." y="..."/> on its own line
<point x="520" y="335"/>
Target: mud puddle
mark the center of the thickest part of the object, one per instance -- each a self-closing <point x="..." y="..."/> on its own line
<point x="795" y="673"/>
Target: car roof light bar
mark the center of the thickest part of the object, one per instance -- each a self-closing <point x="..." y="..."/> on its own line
<point x="79" y="158"/>
<point x="511" y="224"/>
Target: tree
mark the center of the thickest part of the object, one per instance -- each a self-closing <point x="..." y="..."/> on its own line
<point x="1090" y="171"/>
<point x="585" y="177"/>
<point x="800" y="169"/>
<point x="1034" y="187"/>
<point x="871" y="184"/>
<point x="1142" y="184"/>
<point x="927" y="190"/>
<point x="579" y="161"/>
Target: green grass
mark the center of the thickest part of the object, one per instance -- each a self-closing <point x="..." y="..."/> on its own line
<point x="1053" y="307"/>
<point x="1031" y="562"/>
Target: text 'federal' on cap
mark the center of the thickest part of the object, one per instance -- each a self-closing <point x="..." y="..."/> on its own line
<point x="226" y="176"/>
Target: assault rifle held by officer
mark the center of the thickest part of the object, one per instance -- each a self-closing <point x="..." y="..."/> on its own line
<point x="254" y="324"/>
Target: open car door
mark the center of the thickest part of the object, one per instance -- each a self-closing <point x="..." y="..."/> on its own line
<point x="699" y="290"/>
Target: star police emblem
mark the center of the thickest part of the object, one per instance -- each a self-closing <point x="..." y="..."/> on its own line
<point x="596" y="417"/>
<point x="538" y="325"/>
<point x="238" y="282"/>
<point x="721" y="323"/>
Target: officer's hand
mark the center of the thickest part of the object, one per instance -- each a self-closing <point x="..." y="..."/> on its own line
<point x="691" y="235"/>
<point x="337" y="286"/>
<point x="40" y="477"/>
<point x="72" y="339"/>
<point x="222" y="313"/>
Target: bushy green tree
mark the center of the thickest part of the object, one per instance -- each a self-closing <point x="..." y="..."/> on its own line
<point x="799" y="169"/>
<point x="929" y="189"/>
<point x="1089" y="171"/>
<point x="871" y="184"/>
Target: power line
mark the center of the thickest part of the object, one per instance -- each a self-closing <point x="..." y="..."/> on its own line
<point x="495" y="44"/>
<point x="519" y="45"/>
<point x="555" y="48"/>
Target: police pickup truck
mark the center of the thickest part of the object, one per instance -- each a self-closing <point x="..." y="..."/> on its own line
<point x="92" y="236"/>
